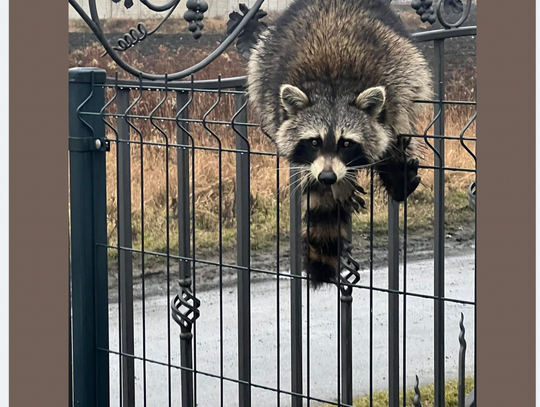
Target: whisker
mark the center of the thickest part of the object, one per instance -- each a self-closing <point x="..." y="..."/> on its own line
<point x="295" y="182"/>
<point x="367" y="165"/>
<point x="359" y="167"/>
<point x="298" y="186"/>
<point x="294" y="168"/>
<point x="299" y="180"/>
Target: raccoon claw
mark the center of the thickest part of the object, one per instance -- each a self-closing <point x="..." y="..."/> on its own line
<point x="360" y="201"/>
<point x="360" y="189"/>
<point x="353" y="206"/>
<point x="413" y="164"/>
<point x="357" y="202"/>
<point x="354" y="203"/>
<point x="399" y="184"/>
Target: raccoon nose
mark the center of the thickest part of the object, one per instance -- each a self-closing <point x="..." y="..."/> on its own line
<point x="327" y="177"/>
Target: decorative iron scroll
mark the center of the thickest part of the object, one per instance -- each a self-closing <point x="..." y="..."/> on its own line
<point x="453" y="7"/>
<point x="194" y="16"/>
<point x="424" y="8"/>
<point x="349" y="272"/>
<point x="245" y="27"/>
<point x="417" y="400"/>
<point x="185" y="308"/>
<point x="250" y="35"/>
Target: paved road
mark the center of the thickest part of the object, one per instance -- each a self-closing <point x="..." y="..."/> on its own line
<point x="323" y="335"/>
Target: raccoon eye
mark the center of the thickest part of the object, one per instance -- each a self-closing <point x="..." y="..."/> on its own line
<point x="314" y="142"/>
<point x="346" y="144"/>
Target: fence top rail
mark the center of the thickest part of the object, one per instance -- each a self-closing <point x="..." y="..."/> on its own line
<point x="237" y="83"/>
<point x="444" y="34"/>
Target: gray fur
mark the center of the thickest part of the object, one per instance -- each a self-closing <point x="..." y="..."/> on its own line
<point x="344" y="70"/>
<point x="333" y="50"/>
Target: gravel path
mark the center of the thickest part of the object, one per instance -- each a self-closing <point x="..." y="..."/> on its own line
<point x="323" y="337"/>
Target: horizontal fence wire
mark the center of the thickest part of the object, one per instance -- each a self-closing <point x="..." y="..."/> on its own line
<point x="188" y="164"/>
<point x="286" y="275"/>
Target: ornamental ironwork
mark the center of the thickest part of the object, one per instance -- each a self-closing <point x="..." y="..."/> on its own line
<point x="244" y="27"/>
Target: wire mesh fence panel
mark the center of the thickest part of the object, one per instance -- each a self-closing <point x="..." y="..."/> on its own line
<point x="187" y="280"/>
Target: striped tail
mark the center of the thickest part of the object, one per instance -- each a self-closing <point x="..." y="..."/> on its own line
<point x="324" y="238"/>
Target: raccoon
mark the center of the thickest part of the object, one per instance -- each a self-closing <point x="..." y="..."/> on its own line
<point x="333" y="83"/>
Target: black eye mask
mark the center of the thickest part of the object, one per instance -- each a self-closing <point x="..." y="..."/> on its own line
<point x="305" y="152"/>
<point x="353" y="155"/>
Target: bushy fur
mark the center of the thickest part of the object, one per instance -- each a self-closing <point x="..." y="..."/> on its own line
<point x="335" y="70"/>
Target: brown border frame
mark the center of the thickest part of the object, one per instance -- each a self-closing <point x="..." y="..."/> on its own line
<point x="506" y="204"/>
<point x="38" y="203"/>
<point x="38" y="309"/>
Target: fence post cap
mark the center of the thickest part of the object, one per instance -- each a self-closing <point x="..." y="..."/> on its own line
<point x="84" y="75"/>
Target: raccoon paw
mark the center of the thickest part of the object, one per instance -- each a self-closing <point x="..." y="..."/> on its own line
<point x="395" y="180"/>
<point x="349" y="197"/>
<point x="355" y="203"/>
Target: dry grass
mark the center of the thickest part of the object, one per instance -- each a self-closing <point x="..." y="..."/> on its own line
<point x="263" y="173"/>
<point x="427" y="393"/>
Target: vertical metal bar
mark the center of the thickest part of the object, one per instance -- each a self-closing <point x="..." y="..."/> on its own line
<point x="88" y="229"/>
<point x="125" y="258"/>
<point x="338" y="315"/>
<point x="308" y="309"/>
<point x="296" y="288"/>
<point x="346" y="347"/>
<point x="346" y="339"/>
<point x="120" y="282"/>
<point x="186" y="358"/>
<point x="220" y="227"/>
<point x="439" y="232"/>
<point x="101" y="273"/>
<point x="461" y="363"/>
<point x="371" y="210"/>
<point x="243" y="254"/>
<point x="143" y="273"/>
<point x="393" y="303"/>
<point x="165" y="137"/>
<point x="404" y="355"/>
<point x="70" y="329"/>
<point x="194" y="256"/>
<point x="278" y="317"/>
<point x="184" y="249"/>
<point x="184" y="236"/>
<point x="470" y="400"/>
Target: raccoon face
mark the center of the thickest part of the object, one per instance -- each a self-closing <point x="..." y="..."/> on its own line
<point x="332" y="136"/>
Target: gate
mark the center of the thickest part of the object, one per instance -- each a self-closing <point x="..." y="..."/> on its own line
<point x="186" y="281"/>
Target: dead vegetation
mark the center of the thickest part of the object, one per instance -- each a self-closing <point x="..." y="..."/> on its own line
<point x="263" y="174"/>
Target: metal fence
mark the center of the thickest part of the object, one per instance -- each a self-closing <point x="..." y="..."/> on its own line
<point x="136" y="342"/>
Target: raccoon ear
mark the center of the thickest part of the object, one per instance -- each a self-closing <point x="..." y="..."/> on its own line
<point x="292" y="99"/>
<point x="372" y="100"/>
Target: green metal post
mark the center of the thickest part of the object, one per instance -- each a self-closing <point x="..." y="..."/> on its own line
<point x="88" y="235"/>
